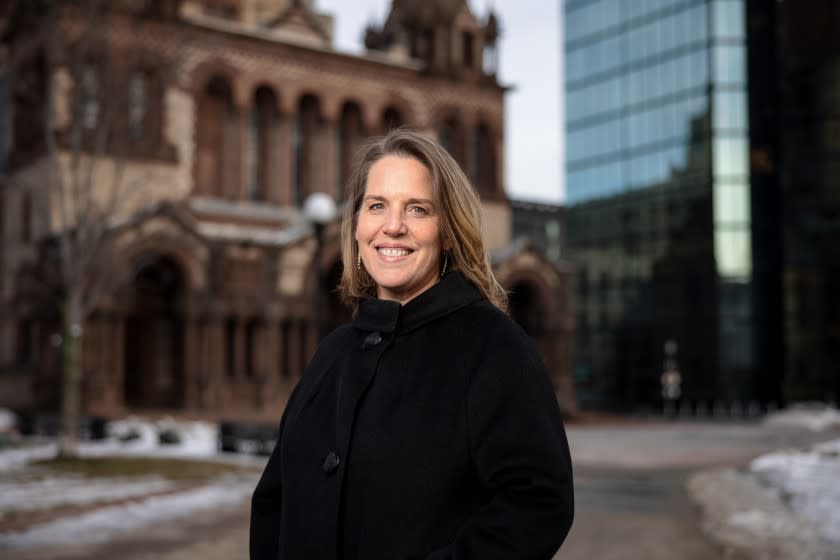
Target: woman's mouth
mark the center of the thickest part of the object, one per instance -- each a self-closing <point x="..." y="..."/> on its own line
<point x="393" y="251"/>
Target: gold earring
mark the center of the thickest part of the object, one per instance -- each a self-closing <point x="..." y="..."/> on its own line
<point x="445" y="262"/>
<point x="359" y="261"/>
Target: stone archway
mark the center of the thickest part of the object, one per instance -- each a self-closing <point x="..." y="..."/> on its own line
<point x="527" y="308"/>
<point x="337" y="313"/>
<point x="154" y="336"/>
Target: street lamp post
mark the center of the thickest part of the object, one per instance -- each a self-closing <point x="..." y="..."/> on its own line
<point x="319" y="210"/>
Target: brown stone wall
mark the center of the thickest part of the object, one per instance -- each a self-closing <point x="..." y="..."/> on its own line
<point x="240" y="306"/>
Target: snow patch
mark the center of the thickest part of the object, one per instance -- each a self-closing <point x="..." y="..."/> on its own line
<point x="816" y="417"/>
<point x="8" y="420"/>
<point x="104" y="524"/>
<point x="810" y="481"/>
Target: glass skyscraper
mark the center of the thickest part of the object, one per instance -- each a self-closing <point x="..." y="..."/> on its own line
<point x="660" y="201"/>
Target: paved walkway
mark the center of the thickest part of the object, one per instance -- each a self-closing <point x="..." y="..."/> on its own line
<point x="625" y="514"/>
<point x="630" y="489"/>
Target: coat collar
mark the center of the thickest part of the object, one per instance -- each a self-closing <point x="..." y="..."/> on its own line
<point x="453" y="292"/>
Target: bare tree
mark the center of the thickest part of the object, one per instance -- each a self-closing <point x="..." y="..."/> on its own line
<point x="82" y="189"/>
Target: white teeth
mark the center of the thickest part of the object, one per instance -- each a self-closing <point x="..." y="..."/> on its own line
<point x="393" y="252"/>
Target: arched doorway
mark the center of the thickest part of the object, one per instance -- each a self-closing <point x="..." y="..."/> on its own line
<point x="526" y="308"/>
<point x="154" y="376"/>
<point x="337" y="313"/>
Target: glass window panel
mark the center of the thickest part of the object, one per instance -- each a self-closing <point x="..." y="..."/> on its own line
<point x="677" y="158"/>
<point x="583" y="28"/>
<point x="667" y="77"/>
<point x="653" y="38"/>
<point x="643" y="132"/>
<point x="700" y="22"/>
<point x="733" y="252"/>
<point x="731" y="204"/>
<point x="658" y="171"/>
<point x="680" y="120"/>
<point x="649" y="81"/>
<point x="729" y="157"/>
<point x="573" y="66"/>
<point x="653" y="126"/>
<point x="650" y="168"/>
<point x="633" y="9"/>
<point x="730" y="110"/>
<point x="699" y="105"/>
<point x="572" y="24"/>
<point x="572" y="105"/>
<point x="666" y="33"/>
<point x="700" y="69"/>
<point x="633" y="135"/>
<point x="681" y="74"/>
<point x="612" y="53"/>
<point x="572" y="147"/>
<point x="637" y="170"/>
<point x="633" y="93"/>
<point x="667" y="116"/>
<point x="615" y="93"/>
<point x="728" y="19"/>
<point x="729" y="64"/>
<point x="682" y="28"/>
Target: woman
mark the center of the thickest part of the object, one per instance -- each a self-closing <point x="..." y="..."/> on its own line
<point x="427" y="428"/>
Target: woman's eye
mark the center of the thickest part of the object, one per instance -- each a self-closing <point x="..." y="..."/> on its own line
<point x="418" y="210"/>
<point x="376" y="206"/>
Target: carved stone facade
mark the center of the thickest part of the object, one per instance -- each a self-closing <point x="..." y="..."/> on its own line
<point x="226" y="115"/>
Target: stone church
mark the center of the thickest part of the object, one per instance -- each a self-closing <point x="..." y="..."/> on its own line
<point x="223" y="117"/>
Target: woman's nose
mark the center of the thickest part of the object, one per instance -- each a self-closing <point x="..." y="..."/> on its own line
<point x="394" y="223"/>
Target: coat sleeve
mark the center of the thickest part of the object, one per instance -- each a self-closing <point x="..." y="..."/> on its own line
<point x="266" y="503"/>
<point x="521" y="455"/>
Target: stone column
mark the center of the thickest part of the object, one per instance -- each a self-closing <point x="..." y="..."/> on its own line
<point x="326" y="174"/>
<point x="214" y="373"/>
<point x="241" y="148"/>
<point x="311" y="329"/>
<point x="118" y="363"/>
<point x="284" y="193"/>
<point x="294" y="342"/>
<point x="191" y="361"/>
<point x="239" y="348"/>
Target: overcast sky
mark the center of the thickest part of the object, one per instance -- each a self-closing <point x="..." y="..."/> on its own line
<point x="530" y="61"/>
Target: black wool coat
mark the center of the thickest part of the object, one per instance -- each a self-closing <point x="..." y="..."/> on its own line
<point x="428" y="430"/>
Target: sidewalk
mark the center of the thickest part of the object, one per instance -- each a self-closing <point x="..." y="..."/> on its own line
<point x="629" y="473"/>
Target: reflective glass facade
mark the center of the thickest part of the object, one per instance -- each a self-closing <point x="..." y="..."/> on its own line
<point x="660" y="200"/>
<point x="807" y="64"/>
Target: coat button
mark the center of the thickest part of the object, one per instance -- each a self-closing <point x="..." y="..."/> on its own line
<point x="331" y="462"/>
<point x="372" y="340"/>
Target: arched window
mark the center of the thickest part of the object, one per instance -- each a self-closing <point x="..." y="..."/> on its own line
<point x="468" y="48"/>
<point x="91" y="82"/>
<point x="391" y="119"/>
<point x="262" y="125"/>
<point x="138" y="103"/>
<point x="452" y="138"/>
<point x="484" y="160"/>
<point x="350" y="134"/>
<point x="216" y="122"/>
<point x="309" y="116"/>
<point x="28" y="99"/>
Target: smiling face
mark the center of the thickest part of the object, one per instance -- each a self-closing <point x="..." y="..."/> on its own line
<point x="397" y="229"/>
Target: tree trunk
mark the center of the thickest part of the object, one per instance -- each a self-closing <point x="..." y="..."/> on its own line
<point x="71" y="366"/>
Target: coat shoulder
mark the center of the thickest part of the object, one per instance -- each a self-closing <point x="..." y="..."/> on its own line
<point x="493" y="324"/>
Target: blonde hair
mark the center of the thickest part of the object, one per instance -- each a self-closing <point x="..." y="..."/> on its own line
<point x="456" y="203"/>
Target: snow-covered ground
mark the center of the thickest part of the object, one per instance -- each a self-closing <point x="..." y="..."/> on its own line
<point x="785" y="505"/>
<point x="26" y="487"/>
<point x="789" y="494"/>
<point x="808" y="479"/>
